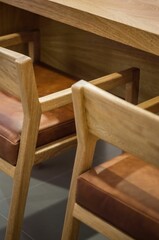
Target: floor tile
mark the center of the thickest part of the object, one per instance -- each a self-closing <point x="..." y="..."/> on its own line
<point x="86" y="233"/>
<point x="45" y="208"/>
<point x="53" y="167"/>
<point x="6" y="186"/>
<point x="2" y="227"/>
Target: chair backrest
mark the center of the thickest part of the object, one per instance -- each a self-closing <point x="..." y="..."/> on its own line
<point x="105" y="116"/>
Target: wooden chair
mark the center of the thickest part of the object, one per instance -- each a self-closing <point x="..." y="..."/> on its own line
<point x="36" y="124"/>
<point x="118" y="198"/>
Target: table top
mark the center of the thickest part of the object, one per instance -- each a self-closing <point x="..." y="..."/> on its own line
<point x="131" y="22"/>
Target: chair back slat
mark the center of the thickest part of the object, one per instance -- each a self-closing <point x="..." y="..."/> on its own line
<point x="118" y="122"/>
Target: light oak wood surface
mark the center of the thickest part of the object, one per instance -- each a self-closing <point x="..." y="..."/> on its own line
<point x="81" y="53"/>
<point x="88" y="56"/>
<point x="134" y="23"/>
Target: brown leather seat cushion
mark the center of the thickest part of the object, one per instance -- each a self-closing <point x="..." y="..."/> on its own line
<point x="125" y="192"/>
<point x="54" y="124"/>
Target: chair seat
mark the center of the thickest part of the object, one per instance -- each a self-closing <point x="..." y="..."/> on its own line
<point x="116" y="192"/>
<point x="54" y="124"/>
<point x="50" y="80"/>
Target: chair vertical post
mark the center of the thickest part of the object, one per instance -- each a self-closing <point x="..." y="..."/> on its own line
<point x="17" y="205"/>
<point x="132" y="88"/>
<point x="26" y="155"/>
<point x="84" y="157"/>
<point x="34" y="47"/>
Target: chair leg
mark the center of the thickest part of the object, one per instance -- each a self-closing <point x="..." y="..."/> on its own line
<point x="71" y="228"/>
<point x="17" y="206"/>
<point x="71" y="224"/>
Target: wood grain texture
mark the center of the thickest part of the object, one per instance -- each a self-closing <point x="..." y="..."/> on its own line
<point x="13" y="19"/>
<point x="134" y="23"/>
<point x="80" y="53"/>
<point x="119" y="115"/>
<point x="88" y="56"/>
<point x="11" y="83"/>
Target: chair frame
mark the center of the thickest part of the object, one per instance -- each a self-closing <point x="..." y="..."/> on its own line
<point x="93" y="124"/>
<point x="22" y="84"/>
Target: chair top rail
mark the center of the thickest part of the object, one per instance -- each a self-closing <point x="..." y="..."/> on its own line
<point x="118" y="122"/>
<point x="17" y="76"/>
<point x="107" y="82"/>
<point x="8" y="71"/>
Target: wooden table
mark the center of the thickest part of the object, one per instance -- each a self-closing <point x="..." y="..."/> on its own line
<point x="125" y="34"/>
<point x="134" y="23"/>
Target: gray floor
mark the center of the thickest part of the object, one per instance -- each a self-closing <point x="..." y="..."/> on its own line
<point x="47" y="197"/>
